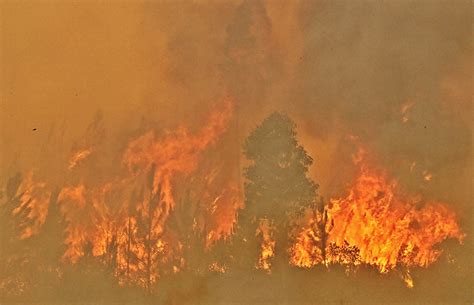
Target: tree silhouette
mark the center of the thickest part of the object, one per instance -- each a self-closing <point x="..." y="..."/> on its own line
<point x="150" y="228"/>
<point x="47" y="248"/>
<point x="277" y="187"/>
<point x="50" y="239"/>
<point x="13" y="280"/>
<point x="192" y="238"/>
<point x="130" y="256"/>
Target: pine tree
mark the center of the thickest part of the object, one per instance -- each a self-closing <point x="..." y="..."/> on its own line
<point x="277" y="187"/>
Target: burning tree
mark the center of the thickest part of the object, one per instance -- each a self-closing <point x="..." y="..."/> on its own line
<point x="277" y="187"/>
<point x="153" y="213"/>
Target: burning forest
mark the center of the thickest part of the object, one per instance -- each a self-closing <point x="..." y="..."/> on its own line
<point x="265" y="163"/>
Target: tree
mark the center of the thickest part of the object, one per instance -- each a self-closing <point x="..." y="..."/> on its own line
<point x="183" y="223"/>
<point x="150" y="228"/>
<point x="277" y="187"/>
<point x="49" y="242"/>
<point x="48" y="247"/>
<point x="130" y="256"/>
<point x="12" y="250"/>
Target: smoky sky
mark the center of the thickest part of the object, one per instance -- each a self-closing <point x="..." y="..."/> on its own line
<point x="338" y="68"/>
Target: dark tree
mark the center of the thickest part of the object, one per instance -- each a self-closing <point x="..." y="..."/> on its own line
<point x="13" y="251"/>
<point x="49" y="242"/>
<point x="277" y="187"/>
<point x="48" y="247"/>
<point x="192" y="237"/>
<point x="130" y="256"/>
<point x="89" y="280"/>
<point x="151" y="222"/>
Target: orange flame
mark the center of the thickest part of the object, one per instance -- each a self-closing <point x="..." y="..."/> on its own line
<point x="388" y="228"/>
<point x="110" y="218"/>
<point x="265" y="229"/>
<point x="78" y="157"/>
<point x="377" y="225"/>
<point x="176" y="152"/>
<point x="33" y="199"/>
<point x="222" y="216"/>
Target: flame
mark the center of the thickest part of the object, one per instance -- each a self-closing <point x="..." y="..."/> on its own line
<point x="388" y="228"/>
<point x="216" y="267"/>
<point x="126" y="217"/>
<point x="78" y="157"/>
<point x="176" y="152"/>
<point x="376" y="224"/>
<point x="404" y="111"/>
<point x="407" y="279"/>
<point x="265" y="230"/>
<point x="427" y="176"/>
<point x="88" y="220"/>
<point x="222" y="218"/>
<point x="33" y="197"/>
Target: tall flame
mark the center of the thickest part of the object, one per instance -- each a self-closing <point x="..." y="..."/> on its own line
<point x="125" y="218"/>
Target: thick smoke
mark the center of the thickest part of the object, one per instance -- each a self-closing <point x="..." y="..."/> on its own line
<point x="394" y="77"/>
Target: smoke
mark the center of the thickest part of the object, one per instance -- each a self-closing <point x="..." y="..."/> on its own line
<point x="395" y="76"/>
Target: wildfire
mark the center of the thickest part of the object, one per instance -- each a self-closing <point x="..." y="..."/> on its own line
<point x="126" y="219"/>
<point x="128" y="215"/>
<point x="376" y="224"/>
